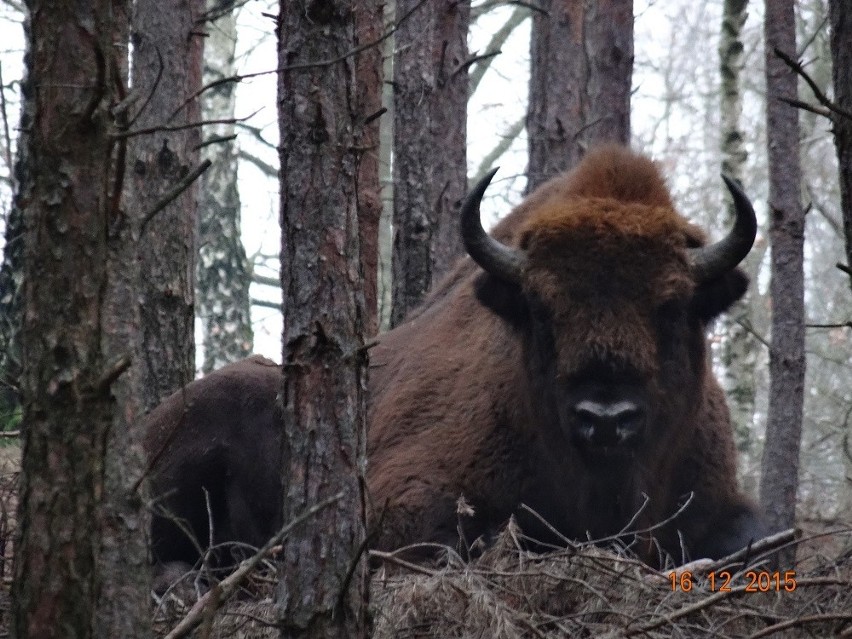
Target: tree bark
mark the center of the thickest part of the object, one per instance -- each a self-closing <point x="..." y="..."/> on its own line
<point x="840" y="19"/>
<point x="430" y="155"/>
<point x="581" y="64"/>
<point x="224" y="274"/>
<point x="780" y="465"/>
<point x="167" y="50"/>
<point x="369" y="75"/>
<point x="738" y="348"/>
<point x="123" y="609"/>
<point x="68" y="197"/>
<point x="384" y="294"/>
<point x="323" y="578"/>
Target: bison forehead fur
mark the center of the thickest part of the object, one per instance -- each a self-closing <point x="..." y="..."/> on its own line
<point x="578" y="386"/>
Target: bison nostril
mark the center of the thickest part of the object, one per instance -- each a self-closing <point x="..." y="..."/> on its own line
<point x="609" y="423"/>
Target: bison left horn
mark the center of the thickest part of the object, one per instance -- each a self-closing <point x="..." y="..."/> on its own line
<point x="501" y="261"/>
<point x="710" y="262"/>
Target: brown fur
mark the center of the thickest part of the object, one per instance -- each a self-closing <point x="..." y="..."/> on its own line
<point x="465" y="397"/>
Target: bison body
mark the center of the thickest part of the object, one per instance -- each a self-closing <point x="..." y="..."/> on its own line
<point x="563" y="366"/>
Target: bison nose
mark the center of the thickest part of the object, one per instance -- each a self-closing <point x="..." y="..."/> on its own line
<point x="617" y="423"/>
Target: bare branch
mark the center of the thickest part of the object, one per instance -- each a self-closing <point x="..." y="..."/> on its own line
<point x="179" y="188"/>
<point x="222" y="591"/>
<point x="820" y="96"/>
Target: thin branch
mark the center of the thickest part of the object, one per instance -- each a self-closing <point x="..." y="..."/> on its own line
<point x="305" y="65"/>
<point x="266" y="304"/>
<point x="153" y="88"/>
<point x="180" y="127"/>
<point x="265" y="168"/>
<point x="222" y="591"/>
<point x="801" y="621"/>
<point x="499" y="149"/>
<point x="266" y="281"/>
<point x="179" y="188"/>
<point x="820" y="96"/>
<point x="496" y="43"/>
<point x="805" y="106"/>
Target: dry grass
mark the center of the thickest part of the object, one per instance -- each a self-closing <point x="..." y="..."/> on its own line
<point x="586" y="591"/>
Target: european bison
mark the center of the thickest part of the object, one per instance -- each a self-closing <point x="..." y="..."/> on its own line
<point x="563" y="366"/>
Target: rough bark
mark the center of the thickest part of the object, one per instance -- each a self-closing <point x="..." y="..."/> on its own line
<point x="840" y="17"/>
<point x="581" y="64"/>
<point x="780" y="464"/>
<point x="738" y="348"/>
<point x="69" y="203"/>
<point x="224" y="274"/>
<point x="322" y="587"/>
<point x="123" y="609"/>
<point x="369" y="74"/>
<point x="430" y="155"/>
<point x="167" y="48"/>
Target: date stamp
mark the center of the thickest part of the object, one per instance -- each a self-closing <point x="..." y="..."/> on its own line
<point x="722" y="581"/>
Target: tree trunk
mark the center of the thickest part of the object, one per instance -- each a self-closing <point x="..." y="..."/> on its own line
<point x="369" y="74"/>
<point x="430" y="155"/>
<point x="581" y="64"/>
<point x="738" y="348"/>
<point x="123" y="609"/>
<point x="167" y="50"/>
<point x="323" y="578"/>
<point x="385" y="235"/>
<point x="11" y="276"/>
<point x="69" y="205"/>
<point x="780" y="465"/>
<point x="224" y="274"/>
<point x="840" y="16"/>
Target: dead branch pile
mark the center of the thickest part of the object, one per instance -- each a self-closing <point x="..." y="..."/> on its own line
<point x="584" y="591"/>
<point x="591" y="592"/>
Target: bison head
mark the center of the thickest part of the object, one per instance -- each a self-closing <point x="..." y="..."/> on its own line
<point x="612" y="295"/>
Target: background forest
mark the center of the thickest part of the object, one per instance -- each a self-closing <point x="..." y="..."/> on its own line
<point x="683" y="112"/>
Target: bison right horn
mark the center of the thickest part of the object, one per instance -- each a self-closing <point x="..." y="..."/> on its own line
<point x="709" y="262"/>
<point x="501" y="261"/>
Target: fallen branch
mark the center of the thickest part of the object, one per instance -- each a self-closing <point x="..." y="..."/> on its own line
<point x="222" y="591"/>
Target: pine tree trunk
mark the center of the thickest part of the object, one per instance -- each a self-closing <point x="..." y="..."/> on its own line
<point x="738" y="348"/>
<point x="369" y="74"/>
<point x="322" y="587"/>
<point x="780" y="465"/>
<point x="430" y="155"/>
<point x="123" y="609"/>
<point x="224" y="274"/>
<point x="581" y="64"/>
<point x="840" y="16"/>
<point x="167" y="50"/>
<point x="69" y="205"/>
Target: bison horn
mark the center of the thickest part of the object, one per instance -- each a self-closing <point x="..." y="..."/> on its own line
<point x="501" y="261"/>
<point x="709" y="262"/>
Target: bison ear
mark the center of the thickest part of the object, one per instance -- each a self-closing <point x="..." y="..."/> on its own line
<point x="503" y="298"/>
<point x="718" y="295"/>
